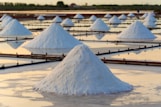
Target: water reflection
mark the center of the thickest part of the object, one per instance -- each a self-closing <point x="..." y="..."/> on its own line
<point x="81" y="101"/>
<point x="15" y="44"/>
<point x="48" y="51"/>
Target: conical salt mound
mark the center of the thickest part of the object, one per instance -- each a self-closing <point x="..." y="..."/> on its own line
<point x="54" y="37"/>
<point x="150" y="17"/>
<point x="114" y="20"/>
<point x="131" y="15"/>
<point x="15" y="29"/>
<point x="78" y="16"/>
<point x="57" y="19"/>
<point x="5" y="21"/>
<point x="81" y="73"/>
<point x="99" y="25"/>
<point x="41" y="18"/>
<point x="67" y="22"/>
<point x="4" y="16"/>
<point x="149" y="24"/>
<point x="136" y="31"/>
<point x="93" y="18"/>
<point x="122" y="17"/>
<point x="107" y="16"/>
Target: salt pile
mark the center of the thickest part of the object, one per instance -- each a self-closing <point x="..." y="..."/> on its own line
<point x="67" y="23"/>
<point x="57" y="19"/>
<point x="108" y="16"/>
<point x="4" y="15"/>
<point x="40" y="18"/>
<point x="78" y="17"/>
<point x="15" y="29"/>
<point x="114" y="21"/>
<point x="131" y="15"/>
<point x="150" y="18"/>
<point x="136" y="31"/>
<point x="122" y="17"/>
<point x="54" y="37"/>
<point x="5" y="21"/>
<point x="149" y="24"/>
<point x="82" y="73"/>
<point x="93" y="18"/>
<point x="99" y="28"/>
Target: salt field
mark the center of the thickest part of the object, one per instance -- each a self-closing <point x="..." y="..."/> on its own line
<point x="30" y="58"/>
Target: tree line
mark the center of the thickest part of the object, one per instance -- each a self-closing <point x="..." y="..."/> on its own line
<point x="61" y="5"/>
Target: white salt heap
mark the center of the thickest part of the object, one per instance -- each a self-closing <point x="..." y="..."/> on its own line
<point x="131" y="15"/>
<point x="15" y="29"/>
<point x="40" y="18"/>
<point x="78" y="16"/>
<point x="122" y="17"/>
<point x="99" y="28"/>
<point x="57" y="19"/>
<point x="5" y="21"/>
<point x="108" y="16"/>
<point x="81" y="73"/>
<point x="93" y="18"/>
<point x="54" y="37"/>
<point x="99" y="25"/>
<point x="114" y="20"/>
<point x="67" y="23"/>
<point x="4" y="15"/>
<point x="150" y="17"/>
<point x="136" y="31"/>
<point x="150" y="24"/>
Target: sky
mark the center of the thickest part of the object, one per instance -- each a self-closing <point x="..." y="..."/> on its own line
<point x="89" y="2"/>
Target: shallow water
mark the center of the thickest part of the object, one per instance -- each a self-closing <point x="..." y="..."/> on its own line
<point x="16" y="89"/>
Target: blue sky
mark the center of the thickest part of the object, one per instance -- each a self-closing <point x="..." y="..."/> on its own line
<point x="88" y="1"/>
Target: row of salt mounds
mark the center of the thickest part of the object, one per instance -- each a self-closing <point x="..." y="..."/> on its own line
<point x="57" y="19"/>
<point x="67" y="24"/>
<point x="93" y="18"/>
<point x="53" y="37"/>
<point x="136" y="31"/>
<point x="114" y="21"/>
<point x="5" y="20"/>
<point x="99" y="28"/>
<point x="82" y="73"/>
<point x="40" y="18"/>
<point x="15" y="29"/>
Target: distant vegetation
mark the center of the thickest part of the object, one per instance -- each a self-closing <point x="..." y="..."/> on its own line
<point x="61" y="5"/>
